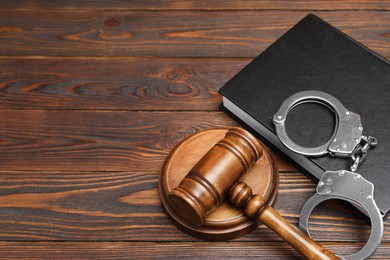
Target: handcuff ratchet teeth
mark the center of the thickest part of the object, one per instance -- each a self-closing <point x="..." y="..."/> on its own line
<point x="347" y="142"/>
<point x="351" y="187"/>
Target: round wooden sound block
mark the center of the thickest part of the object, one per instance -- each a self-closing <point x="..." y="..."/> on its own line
<point x="226" y="221"/>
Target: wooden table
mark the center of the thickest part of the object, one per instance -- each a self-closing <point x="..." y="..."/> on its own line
<point x="95" y="94"/>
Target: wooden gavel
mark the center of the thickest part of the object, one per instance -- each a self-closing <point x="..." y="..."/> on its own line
<point x="216" y="175"/>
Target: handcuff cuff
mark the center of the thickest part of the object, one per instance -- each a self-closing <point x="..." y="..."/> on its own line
<point x="347" y="141"/>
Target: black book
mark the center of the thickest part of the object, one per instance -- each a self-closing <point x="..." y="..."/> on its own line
<point x="313" y="55"/>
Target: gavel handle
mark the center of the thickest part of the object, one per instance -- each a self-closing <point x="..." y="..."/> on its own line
<point x="241" y="196"/>
<point x="302" y="243"/>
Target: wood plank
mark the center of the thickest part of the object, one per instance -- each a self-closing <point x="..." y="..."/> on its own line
<point x="126" y="84"/>
<point x="132" y="84"/>
<point x="98" y="140"/>
<point x="169" y="33"/>
<point x="120" y="250"/>
<point x="198" y="5"/>
<point x="125" y="206"/>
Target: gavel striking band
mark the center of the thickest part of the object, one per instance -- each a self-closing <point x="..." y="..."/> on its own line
<point x="208" y="184"/>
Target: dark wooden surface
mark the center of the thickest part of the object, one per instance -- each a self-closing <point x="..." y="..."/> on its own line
<point x="95" y="94"/>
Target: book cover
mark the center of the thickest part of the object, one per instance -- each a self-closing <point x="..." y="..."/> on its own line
<point x="313" y="55"/>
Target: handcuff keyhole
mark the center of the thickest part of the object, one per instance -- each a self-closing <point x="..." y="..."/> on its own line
<point x="310" y="124"/>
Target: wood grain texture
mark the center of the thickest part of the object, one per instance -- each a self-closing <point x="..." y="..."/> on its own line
<point x="125" y="206"/>
<point x="79" y="180"/>
<point x="184" y="166"/>
<point x="208" y="182"/>
<point x="98" y="140"/>
<point x="241" y="194"/>
<point x="198" y="5"/>
<point x="169" y="33"/>
<point x="122" y="83"/>
<point x="199" y="250"/>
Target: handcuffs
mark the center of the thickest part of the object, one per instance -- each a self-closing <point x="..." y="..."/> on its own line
<point x="347" y="141"/>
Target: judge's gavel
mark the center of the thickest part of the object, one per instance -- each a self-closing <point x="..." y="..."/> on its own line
<point x="216" y="175"/>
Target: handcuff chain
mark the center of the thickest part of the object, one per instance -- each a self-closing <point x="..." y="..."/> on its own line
<point x="360" y="152"/>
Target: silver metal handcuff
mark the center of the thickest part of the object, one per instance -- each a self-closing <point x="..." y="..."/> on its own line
<point x="347" y="142"/>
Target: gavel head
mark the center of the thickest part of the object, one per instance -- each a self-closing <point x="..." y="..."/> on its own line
<point x="207" y="184"/>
